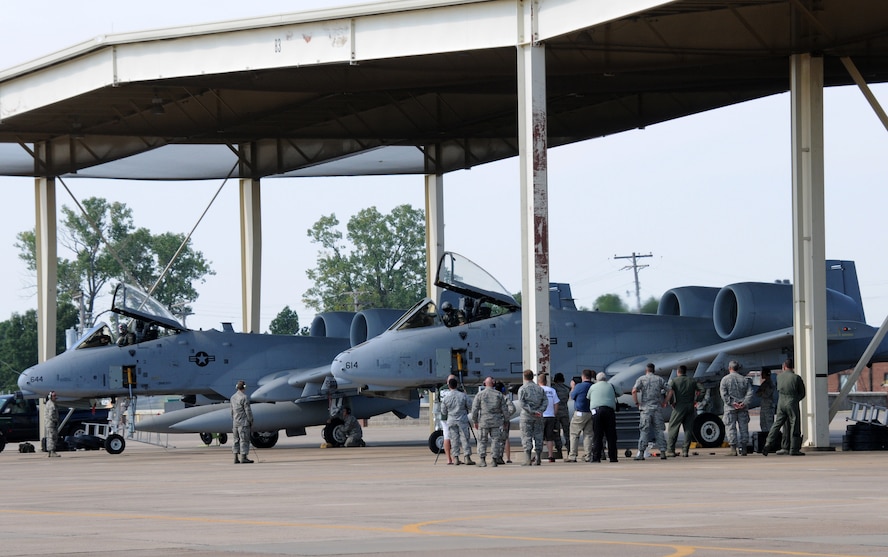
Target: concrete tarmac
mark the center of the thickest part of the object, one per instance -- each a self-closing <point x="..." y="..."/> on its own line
<point x="391" y="498"/>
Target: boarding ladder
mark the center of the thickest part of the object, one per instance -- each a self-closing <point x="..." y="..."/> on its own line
<point x="869" y="413"/>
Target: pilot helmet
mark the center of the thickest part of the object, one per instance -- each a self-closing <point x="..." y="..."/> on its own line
<point x="122" y="327"/>
<point x="447" y="306"/>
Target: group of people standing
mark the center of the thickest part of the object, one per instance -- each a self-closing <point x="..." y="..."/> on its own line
<point x="490" y="412"/>
<point x="736" y="392"/>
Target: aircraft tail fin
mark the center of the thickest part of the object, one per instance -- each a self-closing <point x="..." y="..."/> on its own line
<point x="842" y="277"/>
<point x="560" y="296"/>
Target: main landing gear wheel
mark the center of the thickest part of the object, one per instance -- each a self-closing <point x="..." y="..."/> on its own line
<point x="264" y="439"/>
<point x="436" y="442"/>
<point x="333" y="434"/>
<point x="207" y="438"/>
<point x="115" y="444"/>
<point x="709" y="430"/>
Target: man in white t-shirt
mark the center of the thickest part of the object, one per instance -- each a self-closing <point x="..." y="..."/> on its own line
<point x="548" y="415"/>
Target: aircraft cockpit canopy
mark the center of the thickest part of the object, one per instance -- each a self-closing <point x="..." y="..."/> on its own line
<point x="151" y="318"/>
<point x="458" y="274"/>
<point x="470" y="295"/>
<point x="138" y="305"/>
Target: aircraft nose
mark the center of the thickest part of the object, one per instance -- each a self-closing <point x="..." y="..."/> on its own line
<point x="24" y="382"/>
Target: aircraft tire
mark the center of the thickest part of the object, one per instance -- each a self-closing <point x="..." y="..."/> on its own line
<point x="223" y="438"/>
<point x="115" y="444"/>
<point x="264" y="439"/>
<point x="436" y="442"/>
<point x="2" y="442"/>
<point x="709" y="430"/>
<point x="333" y="433"/>
<point x="206" y="438"/>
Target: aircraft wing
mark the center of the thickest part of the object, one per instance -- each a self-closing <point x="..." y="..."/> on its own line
<point x="712" y="360"/>
<point x="294" y="385"/>
<point x="713" y="357"/>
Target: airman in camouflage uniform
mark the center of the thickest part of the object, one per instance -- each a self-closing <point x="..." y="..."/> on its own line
<point x="533" y="402"/>
<point x="241" y="423"/>
<point x="765" y="391"/>
<point x="649" y="394"/>
<point x="736" y="392"/>
<point x="51" y="423"/>
<point x="490" y="410"/>
<point x="456" y="404"/>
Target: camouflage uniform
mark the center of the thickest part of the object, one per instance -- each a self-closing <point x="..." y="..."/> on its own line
<point x="562" y="417"/>
<point x="533" y="403"/>
<point x="456" y="404"/>
<point x="651" y="390"/>
<point x="766" y="410"/>
<point x="735" y="388"/>
<point x="354" y="435"/>
<point x="51" y="424"/>
<point x="242" y="421"/>
<point x="490" y="410"/>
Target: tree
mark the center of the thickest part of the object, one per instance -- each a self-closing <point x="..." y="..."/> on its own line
<point x="651" y="305"/>
<point x="287" y="323"/>
<point x="610" y="302"/>
<point x="382" y="264"/>
<point x="18" y="342"/>
<point x="107" y="247"/>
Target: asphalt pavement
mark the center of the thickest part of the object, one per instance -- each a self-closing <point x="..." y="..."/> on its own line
<point x="393" y="498"/>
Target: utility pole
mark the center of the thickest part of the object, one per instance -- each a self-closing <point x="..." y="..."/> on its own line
<point x="354" y="294"/>
<point x="635" y="268"/>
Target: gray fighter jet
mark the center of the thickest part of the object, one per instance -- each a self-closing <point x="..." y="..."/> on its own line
<point x="288" y="377"/>
<point x="474" y="330"/>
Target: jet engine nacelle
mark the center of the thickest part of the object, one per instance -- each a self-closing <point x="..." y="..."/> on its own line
<point x="370" y="323"/>
<point x="749" y="308"/>
<point x="332" y="324"/>
<point x="688" y="301"/>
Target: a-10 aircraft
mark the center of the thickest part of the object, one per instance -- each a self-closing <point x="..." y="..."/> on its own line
<point x="475" y="332"/>
<point x="288" y="376"/>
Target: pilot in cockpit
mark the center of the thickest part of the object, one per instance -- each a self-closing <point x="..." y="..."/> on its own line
<point x="126" y="338"/>
<point x="451" y="316"/>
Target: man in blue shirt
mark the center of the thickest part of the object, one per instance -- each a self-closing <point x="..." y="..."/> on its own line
<point x="582" y="419"/>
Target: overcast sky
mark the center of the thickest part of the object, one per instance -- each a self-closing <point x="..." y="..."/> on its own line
<point x="707" y="196"/>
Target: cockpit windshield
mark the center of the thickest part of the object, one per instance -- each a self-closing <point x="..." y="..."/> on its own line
<point x="423" y="314"/>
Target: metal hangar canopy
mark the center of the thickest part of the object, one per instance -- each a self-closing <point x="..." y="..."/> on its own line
<point x="410" y="86"/>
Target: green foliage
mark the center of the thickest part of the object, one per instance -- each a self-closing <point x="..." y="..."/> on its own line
<point x="650" y="305"/>
<point x="286" y="323"/>
<point x="18" y="342"/>
<point x="381" y="263"/>
<point x="107" y="247"/>
<point x="610" y="302"/>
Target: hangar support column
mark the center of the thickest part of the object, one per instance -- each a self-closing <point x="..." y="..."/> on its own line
<point x="47" y="254"/>
<point x="251" y="241"/>
<point x="532" y="145"/>
<point x="434" y="209"/>
<point x="809" y="252"/>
